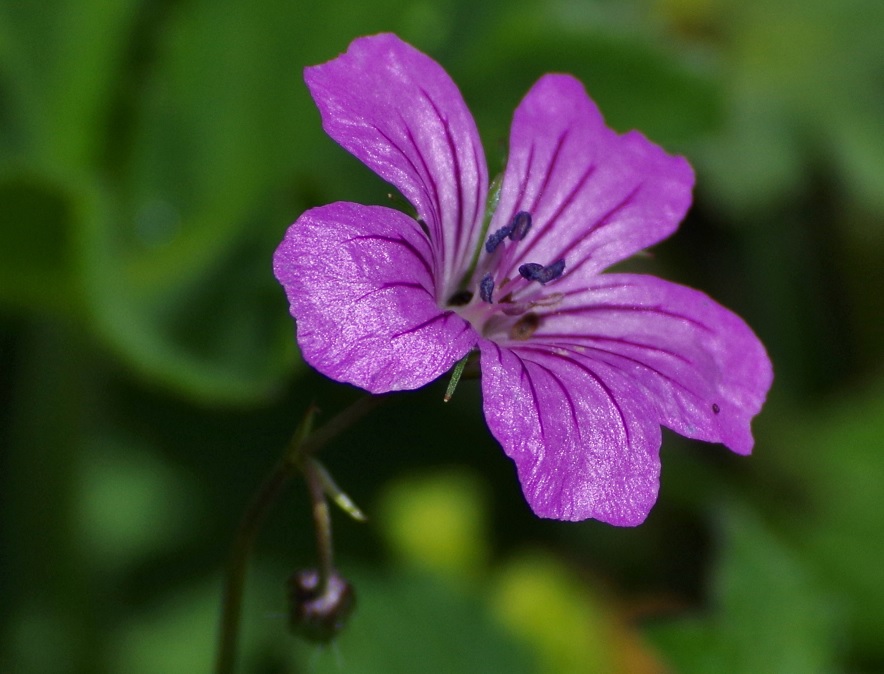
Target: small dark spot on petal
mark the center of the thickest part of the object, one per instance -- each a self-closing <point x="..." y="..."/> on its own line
<point x="460" y="298"/>
<point x="715" y="408"/>
<point x="525" y="327"/>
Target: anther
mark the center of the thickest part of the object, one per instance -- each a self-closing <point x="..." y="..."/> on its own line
<point x="520" y="225"/>
<point x="486" y="288"/>
<point x="526" y="326"/>
<point x="497" y="238"/>
<point x="533" y="271"/>
<point x="516" y="231"/>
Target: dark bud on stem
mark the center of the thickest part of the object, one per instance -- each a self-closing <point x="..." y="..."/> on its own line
<point x="316" y="615"/>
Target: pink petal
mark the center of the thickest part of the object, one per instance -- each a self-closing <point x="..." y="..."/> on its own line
<point x="583" y="444"/>
<point x="701" y="366"/>
<point x="596" y="197"/>
<point x="360" y="284"/>
<point x="399" y="112"/>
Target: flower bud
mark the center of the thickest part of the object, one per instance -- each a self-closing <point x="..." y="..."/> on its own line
<point x="317" y="615"/>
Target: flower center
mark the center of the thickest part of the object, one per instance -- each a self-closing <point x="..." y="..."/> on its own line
<point x="503" y="306"/>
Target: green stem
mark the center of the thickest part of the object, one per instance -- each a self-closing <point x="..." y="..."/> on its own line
<point x="322" y="523"/>
<point x="299" y="449"/>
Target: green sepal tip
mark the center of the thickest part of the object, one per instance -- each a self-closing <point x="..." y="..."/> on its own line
<point x="455" y="377"/>
<point x="335" y="493"/>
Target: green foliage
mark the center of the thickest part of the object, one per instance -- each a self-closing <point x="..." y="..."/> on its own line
<point x="836" y="457"/>
<point x="768" y="615"/>
<point x="404" y="623"/>
<point x="36" y="256"/>
<point x="802" y="98"/>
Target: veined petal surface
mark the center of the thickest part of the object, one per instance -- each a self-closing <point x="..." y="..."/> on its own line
<point x="596" y="197"/>
<point x="584" y="445"/>
<point x="579" y="369"/>
<point x="400" y="113"/>
<point x="699" y="365"/>
<point x="359" y="280"/>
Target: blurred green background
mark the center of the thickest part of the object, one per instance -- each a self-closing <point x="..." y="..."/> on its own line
<point x="152" y="153"/>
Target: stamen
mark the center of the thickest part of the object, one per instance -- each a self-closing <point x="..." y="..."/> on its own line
<point x="486" y="288"/>
<point x="525" y="327"/>
<point x="520" y="225"/>
<point x="516" y="231"/>
<point x="532" y="271"/>
<point x="547" y="300"/>
<point x="497" y="238"/>
<point x="517" y="309"/>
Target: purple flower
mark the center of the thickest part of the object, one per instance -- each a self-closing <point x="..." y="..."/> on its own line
<point x="579" y="368"/>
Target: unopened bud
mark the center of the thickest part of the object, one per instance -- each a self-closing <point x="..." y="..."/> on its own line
<point x="319" y="615"/>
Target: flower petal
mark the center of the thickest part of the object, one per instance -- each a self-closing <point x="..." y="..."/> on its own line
<point x="703" y="368"/>
<point x="596" y="197"/>
<point x="584" y="445"/>
<point x="359" y="282"/>
<point x="399" y="112"/>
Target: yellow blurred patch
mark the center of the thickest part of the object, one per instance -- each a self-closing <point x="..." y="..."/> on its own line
<point x="573" y="632"/>
<point x="438" y="522"/>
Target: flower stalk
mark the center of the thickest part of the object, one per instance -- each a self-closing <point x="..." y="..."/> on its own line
<point x="321" y="523"/>
<point x="298" y="458"/>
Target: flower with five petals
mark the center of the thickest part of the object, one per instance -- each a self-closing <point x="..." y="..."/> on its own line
<point x="579" y="368"/>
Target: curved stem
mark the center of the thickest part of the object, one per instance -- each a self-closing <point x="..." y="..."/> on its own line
<point x="322" y="523"/>
<point x="299" y="448"/>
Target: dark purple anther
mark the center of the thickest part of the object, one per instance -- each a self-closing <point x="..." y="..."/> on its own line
<point x="531" y="271"/>
<point x="520" y="225"/>
<point x="497" y="238"/>
<point x="516" y="231"/>
<point x="486" y="288"/>
<point x="543" y="275"/>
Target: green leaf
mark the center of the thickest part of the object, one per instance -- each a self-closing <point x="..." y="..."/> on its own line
<point x="770" y="614"/>
<point x="837" y="461"/>
<point x="802" y="86"/>
<point x="36" y="230"/>
<point x="62" y="61"/>
<point x="224" y="336"/>
<point x="637" y="84"/>
<point x="129" y="504"/>
<point x="402" y="625"/>
<point x="412" y="624"/>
